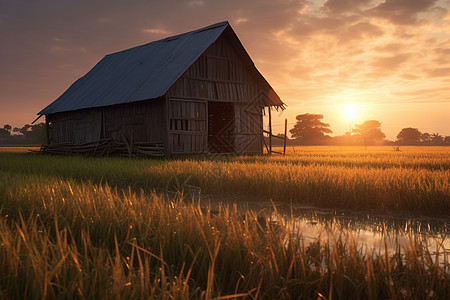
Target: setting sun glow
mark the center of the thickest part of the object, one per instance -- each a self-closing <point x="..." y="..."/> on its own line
<point x="350" y="112"/>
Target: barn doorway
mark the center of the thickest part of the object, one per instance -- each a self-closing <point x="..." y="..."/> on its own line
<point x="221" y="123"/>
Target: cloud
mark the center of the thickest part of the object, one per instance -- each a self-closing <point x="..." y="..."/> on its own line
<point x="361" y="30"/>
<point x="194" y="3"/>
<point x="307" y="26"/>
<point x="344" y="6"/>
<point x="390" y="63"/>
<point x="439" y="72"/>
<point x="390" y="47"/>
<point x="157" y="31"/>
<point x="408" y="76"/>
<point x="401" y="12"/>
<point x="441" y="56"/>
<point x="424" y="94"/>
<point x="442" y="51"/>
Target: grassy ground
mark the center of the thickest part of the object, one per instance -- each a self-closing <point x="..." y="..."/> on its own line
<point x="412" y="181"/>
<point x="95" y="228"/>
<point x="18" y="148"/>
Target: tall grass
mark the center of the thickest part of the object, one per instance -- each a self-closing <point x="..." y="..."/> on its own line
<point x="63" y="239"/>
<point x="18" y="148"/>
<point x="406" y="182"/>
<point x="431" y="158"/>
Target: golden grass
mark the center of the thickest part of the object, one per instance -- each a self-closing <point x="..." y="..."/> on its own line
<point x="413" y="180"/>
<point x="18" y="149"/>
<point x="77" y="227"/>
<point x="64" y="239"/>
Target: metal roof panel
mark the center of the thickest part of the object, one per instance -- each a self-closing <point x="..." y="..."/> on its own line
<point x="143" y="72"/>
<point x="140" y="73"/>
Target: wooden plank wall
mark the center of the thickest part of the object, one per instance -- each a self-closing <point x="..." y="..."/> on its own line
<point x="187" y="126"/>
<point x="137" y="122"/>
<point x="249" y="126"/>
<point x="220" y="75"/>
<point x="60" y="128"/>
<point x="217" y="75"/>
<point x="77" y="127"/>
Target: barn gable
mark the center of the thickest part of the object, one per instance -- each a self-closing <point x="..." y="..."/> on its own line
<point x="197" y="92"/>
<point x="140" y="73"/>
<point x="220" y="93"/>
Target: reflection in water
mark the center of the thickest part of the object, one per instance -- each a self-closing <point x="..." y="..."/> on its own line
<point x="371" y="233"/>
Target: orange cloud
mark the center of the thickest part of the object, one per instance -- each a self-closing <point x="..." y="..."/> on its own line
<point x="156" y="31"/>
<point x="402" y="12"/>
<point x="344" y="6"/>
<point x="391" y="63"/>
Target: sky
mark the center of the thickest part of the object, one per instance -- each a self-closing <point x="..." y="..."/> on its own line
<point x="389" y="60"/>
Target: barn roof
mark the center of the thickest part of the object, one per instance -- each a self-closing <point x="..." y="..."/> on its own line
<point x="146" y="72"/>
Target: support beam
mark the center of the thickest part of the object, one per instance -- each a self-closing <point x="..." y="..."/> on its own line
<point x="167" y="145"/>
<point x="264" y="141"/>
<point x="285" y="136"/>
<point x="36" y="119"/>
<point x="47" y="129"/>
<point x="270" y="130"/>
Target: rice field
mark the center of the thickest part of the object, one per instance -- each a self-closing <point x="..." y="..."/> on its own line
<point x="412" y="181"/>
<point x="79" y="227"/>
<point x="19" y="149"/>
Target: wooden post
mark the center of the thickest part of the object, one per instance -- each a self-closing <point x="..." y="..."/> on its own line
<point x="167" y="135"/>
<point x="265" y="144"/>
<point x="285" y="137"/>
<point x="270" y="131"/>
<point x="48" y="130"/>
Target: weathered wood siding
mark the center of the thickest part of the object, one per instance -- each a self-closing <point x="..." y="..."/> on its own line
<point x="76" y="127"/>
<point x="249" y="126"/>
<point x="137" y="122"/>
<point x="187" y="126"/>
<point x="219" y="74"/>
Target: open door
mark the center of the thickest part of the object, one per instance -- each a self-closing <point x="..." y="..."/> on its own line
<point x="221" y="127"/>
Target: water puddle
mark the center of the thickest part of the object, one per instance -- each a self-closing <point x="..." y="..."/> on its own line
<point x="372" y="232"/>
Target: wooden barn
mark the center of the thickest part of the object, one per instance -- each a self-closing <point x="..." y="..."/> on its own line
<point x="197" y="92"/>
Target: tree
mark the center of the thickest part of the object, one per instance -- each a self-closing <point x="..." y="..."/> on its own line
<point x="447" y="140"/>
<point x="309" y="129"/>
<point x="425" y="138"/>
<point x="26" y="129"/>
<point x="409" y="136"/>
<point x="28" y="134"/>
<point x="437" y="139"/>
<point x="35" y="134"/>
<point x="371" y="132"/>
<point x="5" y="132"/>
<point x="7" y="127"/>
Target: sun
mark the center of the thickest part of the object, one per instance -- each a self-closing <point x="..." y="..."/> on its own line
<point x="351" y="112"/>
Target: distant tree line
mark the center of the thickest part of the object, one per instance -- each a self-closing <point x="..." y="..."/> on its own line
<point x="27" y="135"/>
<point x="310" y="130"/>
